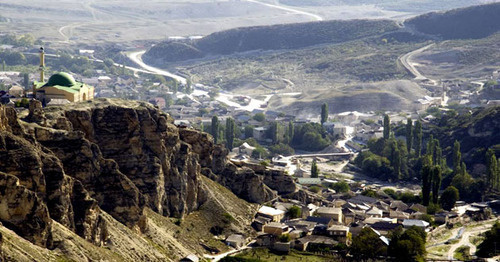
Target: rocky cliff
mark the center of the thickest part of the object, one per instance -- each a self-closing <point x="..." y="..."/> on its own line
<point x="73" y="165"/>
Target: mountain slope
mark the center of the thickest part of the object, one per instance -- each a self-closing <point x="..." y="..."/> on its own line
<point x="471" y="22"/>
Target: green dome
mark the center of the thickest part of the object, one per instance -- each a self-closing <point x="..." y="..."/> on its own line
<point x="61" y="79"/>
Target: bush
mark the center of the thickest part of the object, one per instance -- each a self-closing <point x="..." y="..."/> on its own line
<point x="341" y="187"/>
<point x="227" y="218"/>
<point x="259" y="117"/>
<point x="281" y="149"/>
<point x="294" y="212"/>
<point x="314" y="189"/>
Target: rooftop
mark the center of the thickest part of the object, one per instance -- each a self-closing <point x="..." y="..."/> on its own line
<point x="270" y="211"/>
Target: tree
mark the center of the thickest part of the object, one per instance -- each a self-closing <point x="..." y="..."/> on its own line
<point x="409" y="134"/>
<point x="215" y="129"/>
<point x="426" y="184"/>
<point x="229" y="133"/>
<point x="436" y="183"/>
<point x="492" y="171"/>
<point x="291" y="131"/>
<point x="324" y="113"/>
<point x="274" y="130"/>
<point x="367" y="245"/>
<point x="490" y="246"/>
<point x="26" y="81"/>
<point x="294" y="212"/>
<point x="259" y="117"/>
<point x="457" y="156"/>
<point x="449" y="197"/>
<point x="248" y="131"/>
<point x="341" y="187"/>
<point x="417" y="138"/>
<point x="314" y="169"/>
<point x="395" y="160"/>
<point x="387" y="127"/>
<point x="407" y="246"/>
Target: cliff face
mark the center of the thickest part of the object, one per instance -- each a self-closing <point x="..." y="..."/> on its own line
<point x="74" y="164"/>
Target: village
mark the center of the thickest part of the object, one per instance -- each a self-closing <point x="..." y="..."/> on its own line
<point x="341" y="200"/>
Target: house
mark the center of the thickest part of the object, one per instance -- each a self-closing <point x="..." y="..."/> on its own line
<point x="265" y="239"/>
<point x="398" y="205"/>
<point x="407" y="223"/>
<point x="374" y="212"/>
<point x="245" y="148"/>
<point x="259" y="133"/>
<point x="283" y="247"/>
<point x="259" y="222"/>
<point x="419" y="207"/>
<point x="313" y="243"/>
<point x="334" y="213"/>
<point x="275" y="215"/>
<point x="373" y="220"/>
<point x="338" y="232"/>
<point x="384" y="227"/>
<point x="302" y="173"/>
<point x="327" y="221"/>
<point x="275" y="228"/>
<point x="235" y="240"/>
<point x="360" y="199"/>
<point x="190" y="258"/>
<point x="281" y="161"/>
<point x="308" y="181"/>
<point x="398" y="214"/>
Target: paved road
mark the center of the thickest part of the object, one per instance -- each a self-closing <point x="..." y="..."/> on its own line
<point x="314" y="16"/>
<point x="406" y="61"/>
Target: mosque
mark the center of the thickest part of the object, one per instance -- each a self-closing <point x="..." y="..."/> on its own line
<point x="61" y="87"/>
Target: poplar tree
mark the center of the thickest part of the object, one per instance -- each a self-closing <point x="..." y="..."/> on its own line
<point x="457" y="156"/>
<point x="417" y="138"/>
<point x="426" y="182"/>
<point x="492" y="171"/>
<point x="291" y="132"/>
<point x="409" y="134"/>
<point x="436" y="183"/>
<point x="324" y="113"/>
<point x="314" y="169"/>
<point x="387" y="127"/>
<point x="215" y="129"/>
<point x="229" y="133"/>
<point x="274" y="132"/>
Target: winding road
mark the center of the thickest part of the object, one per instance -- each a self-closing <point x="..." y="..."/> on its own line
<point x="410" y="66"/>
<point x="136" y="57"/>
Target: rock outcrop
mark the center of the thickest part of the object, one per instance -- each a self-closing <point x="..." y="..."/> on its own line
<point x="23" y="211"/>
<point x="74" y="164"/>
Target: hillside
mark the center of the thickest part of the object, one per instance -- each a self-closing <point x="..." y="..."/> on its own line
<point x="115" y="180"/>
<point x="275" y="37"/>
<point x="471" y="22"/>
<point x="476" y="132"/>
